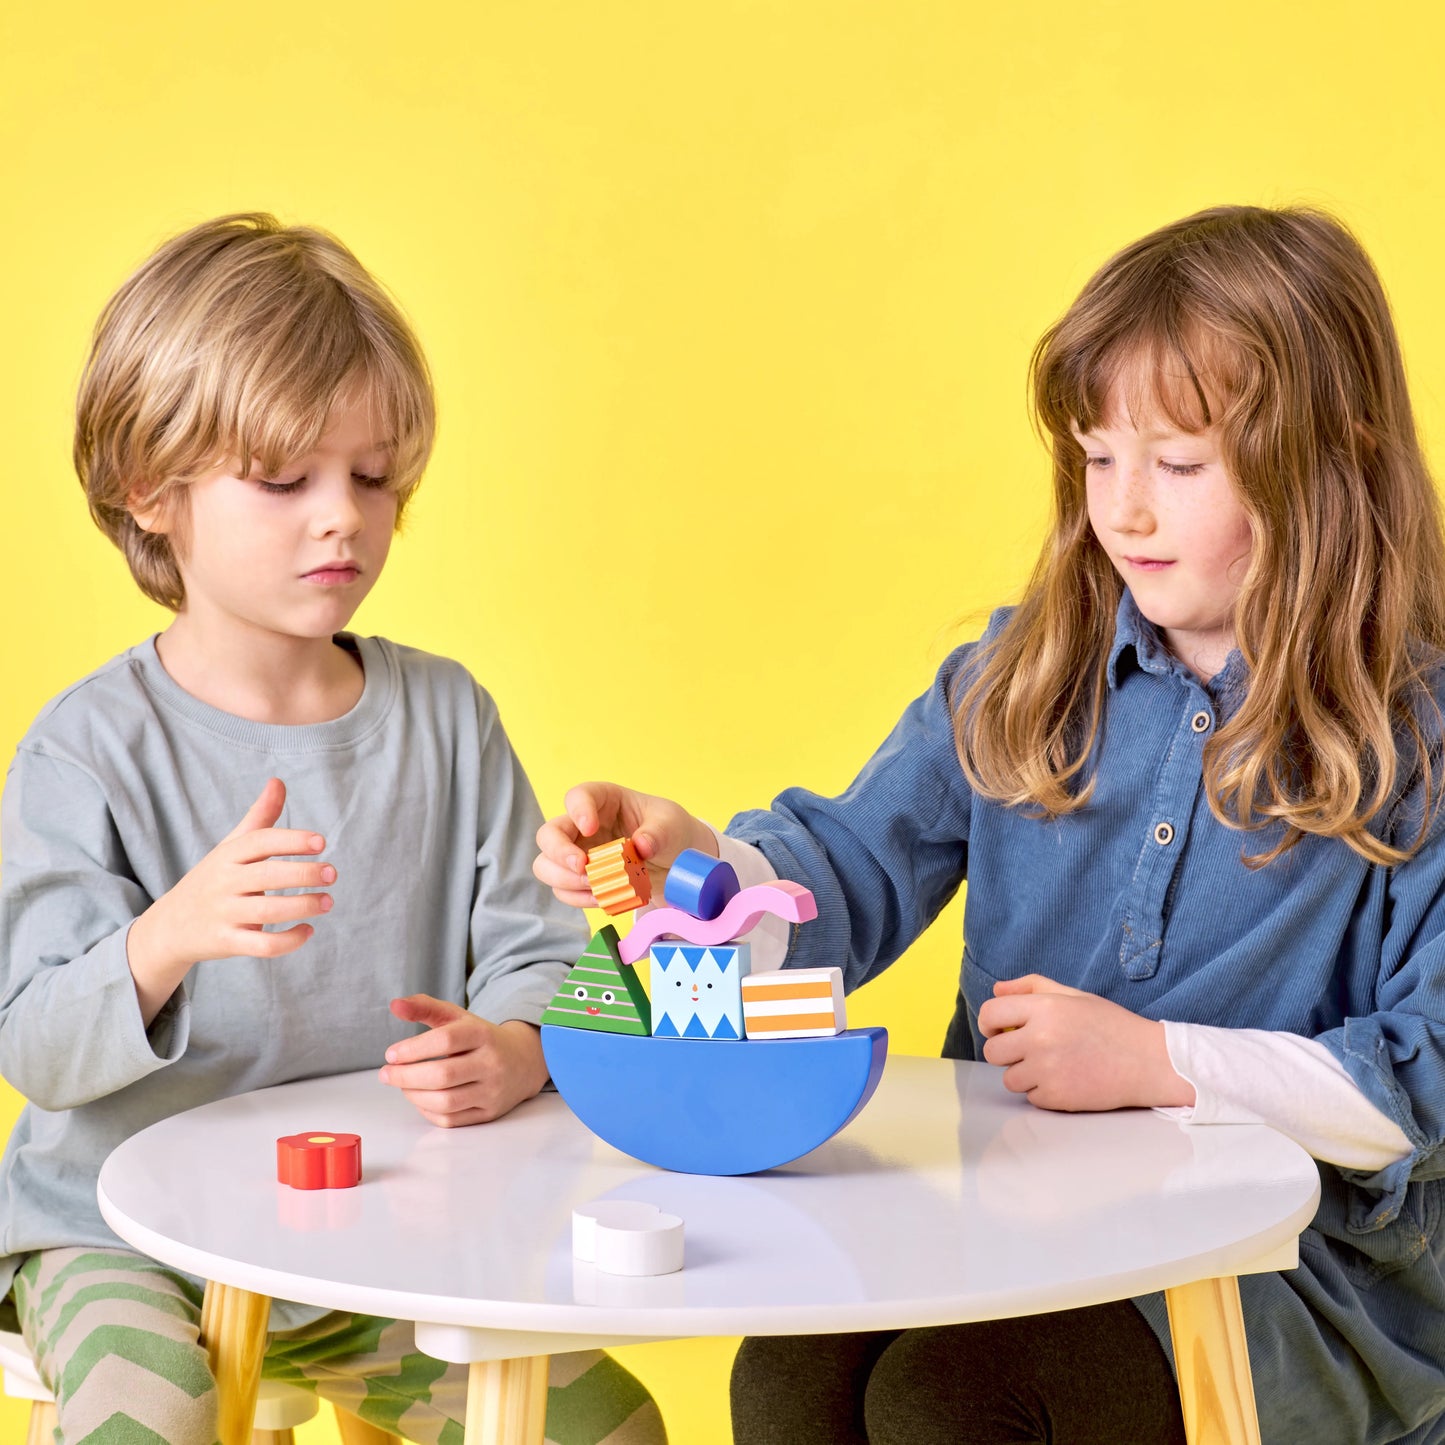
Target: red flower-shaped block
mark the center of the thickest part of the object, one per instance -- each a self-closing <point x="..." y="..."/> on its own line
<point x="319" y="1160"/>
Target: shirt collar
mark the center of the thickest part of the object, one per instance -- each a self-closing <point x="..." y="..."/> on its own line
<point x="1138" y="644"/>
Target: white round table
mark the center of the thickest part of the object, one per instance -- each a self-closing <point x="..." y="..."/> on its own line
<point x="948" y="1199"/>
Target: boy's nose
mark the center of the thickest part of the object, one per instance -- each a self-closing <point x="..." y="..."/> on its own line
<point x="338" y="515"/>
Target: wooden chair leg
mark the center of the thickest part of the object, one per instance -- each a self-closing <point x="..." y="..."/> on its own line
<point x="358" y="1432"/>
<point x="233" y="1332"/>
<point x="42" y="1423"/>
<point x="1216" y="1389"/>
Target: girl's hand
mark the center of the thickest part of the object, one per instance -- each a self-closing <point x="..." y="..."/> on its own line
<point x="219" y="908"/>
<point x="1067" y="1049"/>
<point x="464" y="1069"/>
<point x="601" y="813"/>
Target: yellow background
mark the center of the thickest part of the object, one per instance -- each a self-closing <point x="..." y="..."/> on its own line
<point x="729" y="307"/>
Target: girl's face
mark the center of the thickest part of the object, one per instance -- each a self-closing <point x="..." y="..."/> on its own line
<point x="1165" y="510"/>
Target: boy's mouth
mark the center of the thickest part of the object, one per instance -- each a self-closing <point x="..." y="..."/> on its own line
<point x="334" y="574"/>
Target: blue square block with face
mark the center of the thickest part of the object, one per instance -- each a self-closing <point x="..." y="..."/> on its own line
<point x="697" y="993"/>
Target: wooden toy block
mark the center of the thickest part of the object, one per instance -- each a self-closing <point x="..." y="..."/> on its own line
<point x="319" y="1160"/>
<point x="696" y="992"/>
<point x="622" y="1236"/>
<point x="700" y="885"/>
<point x="600" y="993"/>
<point x="618" y="877"/>
<point x="794" y="1003"/>
<point x="715" y="1111"/>
<point x="785" y="900"/>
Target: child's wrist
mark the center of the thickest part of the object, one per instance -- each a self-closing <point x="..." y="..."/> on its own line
<point x="153" y="965"/>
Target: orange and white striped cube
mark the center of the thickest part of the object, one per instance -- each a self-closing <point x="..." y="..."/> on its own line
<point x="794" y="1003"/>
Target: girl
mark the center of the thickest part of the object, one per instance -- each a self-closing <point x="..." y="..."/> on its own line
<point x="254" y="417"/>
<point x="1194" y="777"/>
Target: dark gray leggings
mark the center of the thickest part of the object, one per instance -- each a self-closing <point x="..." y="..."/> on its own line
<point x="1094" y="1376"/>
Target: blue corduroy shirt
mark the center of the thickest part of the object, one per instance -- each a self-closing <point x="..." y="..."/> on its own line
<point x="1143" y="896"/>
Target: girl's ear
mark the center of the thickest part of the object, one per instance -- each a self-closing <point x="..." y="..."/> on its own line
<point x="150" y="512"/>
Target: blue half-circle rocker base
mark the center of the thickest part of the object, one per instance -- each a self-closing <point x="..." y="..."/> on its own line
<point x="702" y="1107"/>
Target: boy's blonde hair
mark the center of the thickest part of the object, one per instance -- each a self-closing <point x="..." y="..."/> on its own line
<point x="232" y="343"/>
<point x="1272" y="325"/>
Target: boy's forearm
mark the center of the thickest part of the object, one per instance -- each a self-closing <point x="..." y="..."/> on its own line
<point x="156" y="973"/>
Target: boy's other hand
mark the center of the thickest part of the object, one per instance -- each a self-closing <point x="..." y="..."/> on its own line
<point x="1067" y="1049"/>
<point x="464" y="1069"/>
<point x="600" y="813"/>
<point x="219" y="908"/>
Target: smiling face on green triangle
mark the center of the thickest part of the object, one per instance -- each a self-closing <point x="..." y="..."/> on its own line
<point x="601" y="992"/>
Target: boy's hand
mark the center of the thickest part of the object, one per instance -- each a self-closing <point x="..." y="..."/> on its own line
<point x="219" y="907"/>
<point x="463" y="1070"/>
<point x="1067" y="1049"/>
<point x="601" y="813"/>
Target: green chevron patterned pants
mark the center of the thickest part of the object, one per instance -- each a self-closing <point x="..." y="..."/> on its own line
<point x="116" y="1338"/>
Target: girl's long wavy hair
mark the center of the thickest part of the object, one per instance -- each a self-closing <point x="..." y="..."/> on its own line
<point x="1272" y="326"/>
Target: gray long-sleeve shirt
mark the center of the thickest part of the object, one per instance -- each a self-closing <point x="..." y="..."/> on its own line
<point x="124" y="783"/>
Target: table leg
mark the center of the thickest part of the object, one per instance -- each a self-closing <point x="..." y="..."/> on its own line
<point x="1216" y="1388"/>
<point x="507" y="1401"/>
<point x="233" y="1332"/>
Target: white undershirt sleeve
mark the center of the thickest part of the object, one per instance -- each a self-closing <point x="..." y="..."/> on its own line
<point x="1293" y="1084"/>
<point x="769" y="940"/>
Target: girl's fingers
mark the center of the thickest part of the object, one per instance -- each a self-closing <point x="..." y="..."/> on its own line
<point x="559" y="877"/>
<point x="589" y="806"/>
<point x="557" y="841"/>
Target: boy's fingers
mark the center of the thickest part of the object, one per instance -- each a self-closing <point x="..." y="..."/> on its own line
<point x="271" y="874"/>
<point x="262" y="843"/>
<point x="282" y="908"/>
<point x="263" y="812"/>
<point x="252" y="943"/>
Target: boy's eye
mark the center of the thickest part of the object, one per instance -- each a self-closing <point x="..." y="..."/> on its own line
<point x="280" y="486"/>
<point x="1096" y="461"/>
<point x="1182" y="469"/>
<point x="367" y="481"/>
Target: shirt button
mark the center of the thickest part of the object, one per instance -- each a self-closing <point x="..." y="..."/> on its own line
<point x="1200" y="722"/>
<point x="1164" y="834"/>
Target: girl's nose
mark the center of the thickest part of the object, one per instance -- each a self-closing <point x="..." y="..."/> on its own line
<point x="1131" y="505"/>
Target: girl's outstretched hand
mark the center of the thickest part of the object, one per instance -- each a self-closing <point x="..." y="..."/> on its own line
<point x="1071" y="1050"/>
<point x="601" y="813"/>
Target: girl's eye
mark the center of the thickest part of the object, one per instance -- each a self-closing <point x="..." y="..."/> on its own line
<point x="1096" y="461"/>
<point x="1183" y="469"/>
<point x="367" y="481"/>
<point x="281" y="487"/>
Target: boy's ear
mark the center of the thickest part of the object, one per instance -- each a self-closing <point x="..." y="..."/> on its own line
<point x="150" y="513"/>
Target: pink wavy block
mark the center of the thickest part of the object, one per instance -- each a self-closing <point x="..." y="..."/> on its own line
<point x="785" y="900"/>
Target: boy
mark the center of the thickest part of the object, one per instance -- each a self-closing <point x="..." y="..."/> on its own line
<point x="253" y="419"/>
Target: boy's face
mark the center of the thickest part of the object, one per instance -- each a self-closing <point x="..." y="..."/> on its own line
<point x="1165" y="510"/>
<point x="296" y="553"/>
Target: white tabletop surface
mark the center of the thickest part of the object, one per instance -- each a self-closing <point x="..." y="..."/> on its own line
<point x="948" y="1199"/>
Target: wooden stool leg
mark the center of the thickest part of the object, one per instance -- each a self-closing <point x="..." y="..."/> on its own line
<point x="1216" y="1388"/>
<point x="358" y="1432"/>
<point x="233" y="1332"/>
<point x="507" y="1402"/>
<point x="42" y="1423"/>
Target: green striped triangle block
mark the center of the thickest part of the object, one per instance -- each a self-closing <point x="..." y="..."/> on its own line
<point x="602" y="992"/>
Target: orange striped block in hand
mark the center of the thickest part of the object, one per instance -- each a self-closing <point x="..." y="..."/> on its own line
<point x="794" y="1003"/>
